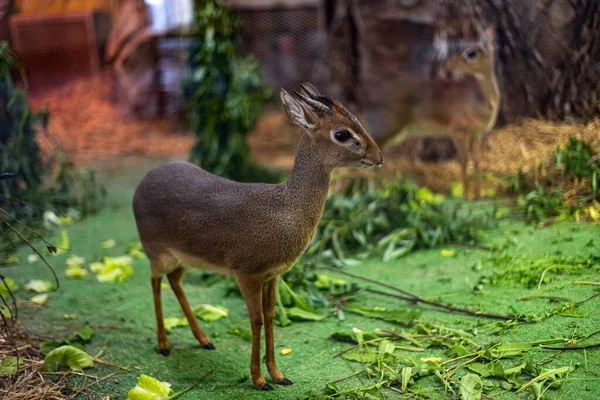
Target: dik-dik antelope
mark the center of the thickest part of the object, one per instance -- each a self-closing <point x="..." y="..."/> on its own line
<point x="461" y="103"/>
<point x="255" y="232"/>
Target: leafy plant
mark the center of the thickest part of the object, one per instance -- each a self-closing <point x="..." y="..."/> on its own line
<point x="390" y="219"/>
<point x="36" y="185"/>
<point x="224" y="95"/>
<point x="568" y="186"/>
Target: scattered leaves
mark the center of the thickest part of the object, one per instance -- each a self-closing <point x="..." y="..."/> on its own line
<point x="174" y="322"/>
<point x="9" y="366"/>
<point x="149" y="388"/>
<point x="404" y="317"/>
<point x="72" y="357"/>
<point x="39" y="299"/>
<point x="6" y="284"/>
<point x="109" y="244"/>
<point x="210" y="313"/>
<point x="39" y="286"/>
<point x="241" y="332"/>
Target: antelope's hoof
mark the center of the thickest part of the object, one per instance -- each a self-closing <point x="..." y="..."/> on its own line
<point x="265" y="386"/>
<point x="209" y="346"/>
<point x="165" y="352"/>
<point x="285" y="382"/>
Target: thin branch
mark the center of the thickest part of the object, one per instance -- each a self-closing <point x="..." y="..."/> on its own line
<point x="412" y="297"/>
<point x="29" y="229"/>
<point x="591" y="346"/>
<point x="349" y="376"/>
<point x="586" y="283"/>
<point x="451" y="308"/>
<point x="24" y="240"/>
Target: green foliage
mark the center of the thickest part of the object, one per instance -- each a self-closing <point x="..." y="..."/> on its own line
<point x="72" y="357"/>
<point x="390" y="219"/>
<point x="530" y="272"/>
<point x="455" y="364"/>
<point x="9" y="366"/>
<point x="78" y="339"/>
<point x="568" y="187"/>
<point x="224" y="95"/>
<point x="35" y="188"/>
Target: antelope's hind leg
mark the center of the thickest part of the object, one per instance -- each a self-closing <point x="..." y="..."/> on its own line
<point x="175" y="279"/>
<point x="163" y="343"/>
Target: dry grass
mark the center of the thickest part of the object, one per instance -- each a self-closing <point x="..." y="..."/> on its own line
<point x="29" y="383"/>
<point x="522" y="145"/>
<point x="88" y="126"/>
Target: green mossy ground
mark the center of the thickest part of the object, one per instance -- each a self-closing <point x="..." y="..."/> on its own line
<point x="123" y="317"/>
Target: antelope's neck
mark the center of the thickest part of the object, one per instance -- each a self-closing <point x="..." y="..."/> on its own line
<point x="489" y="86"/>
<point x="307" y="186"/>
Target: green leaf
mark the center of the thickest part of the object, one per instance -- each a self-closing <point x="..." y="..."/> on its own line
<point x="39" y="299"/>
<point x="62" y="245"/>
<point x="298" y="314"/>
<point x="293" y="300"/>
<point x="113" y="269"/>
<point x="471" y="387"/>
<point x="210" y="313"/>
<point x="74" y="260"/>
<point x="174" y="322"/>
<point x="9" y="366"/>
<point x="86" y="334"/>
<point x="135" y="250"/>
<point x="76" y="271"/>
<point x="360" y="354"/>
<point x="493" y="369"/>
<point x="5" y="311"/>
<point x="39" y="286"/>
<point x="342" y="336"/>
<point x="74" y="358"/>
<point x="507" y="350"/>
<point x="406" y="374"/>
<point x="149" y="388"/>
<point x="243" y="333"/>
<point x="448" y="252"/>
<point x="553" y="375"/>
<point x="109" y="244"/>
<point x="405" y="317"/>
<point x="8" y="283"/>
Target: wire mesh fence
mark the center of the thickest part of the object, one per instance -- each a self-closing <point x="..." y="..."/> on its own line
<point x="287" y="42"/>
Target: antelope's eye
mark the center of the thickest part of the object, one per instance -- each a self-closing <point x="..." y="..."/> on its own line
<point x="471" y="55"/>
<point x="343" y="135"/>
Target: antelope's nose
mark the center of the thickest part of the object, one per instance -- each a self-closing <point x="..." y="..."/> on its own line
<point x="378" y="159"/>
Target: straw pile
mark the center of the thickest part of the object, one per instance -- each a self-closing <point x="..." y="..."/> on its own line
<point x="85" y="124"/>
<point x="29" y="383"/>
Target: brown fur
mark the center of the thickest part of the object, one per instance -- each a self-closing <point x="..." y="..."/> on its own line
<point x="189" y="217"/>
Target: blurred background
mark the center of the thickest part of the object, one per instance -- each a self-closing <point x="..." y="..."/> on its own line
<point x="93" y="93"/>
<point x="122" y="77"/>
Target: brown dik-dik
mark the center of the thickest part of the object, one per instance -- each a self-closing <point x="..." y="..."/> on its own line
<point x="461" y="102"/>
<point x="255" y="232"/>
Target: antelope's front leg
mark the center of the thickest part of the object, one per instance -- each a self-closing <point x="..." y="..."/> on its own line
<point x="269" y="293"/>
<point x="251" y="288"/>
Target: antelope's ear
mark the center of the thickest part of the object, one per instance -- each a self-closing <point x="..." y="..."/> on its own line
<point x="489" y="37"/>
<point x="298" y="113"/>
